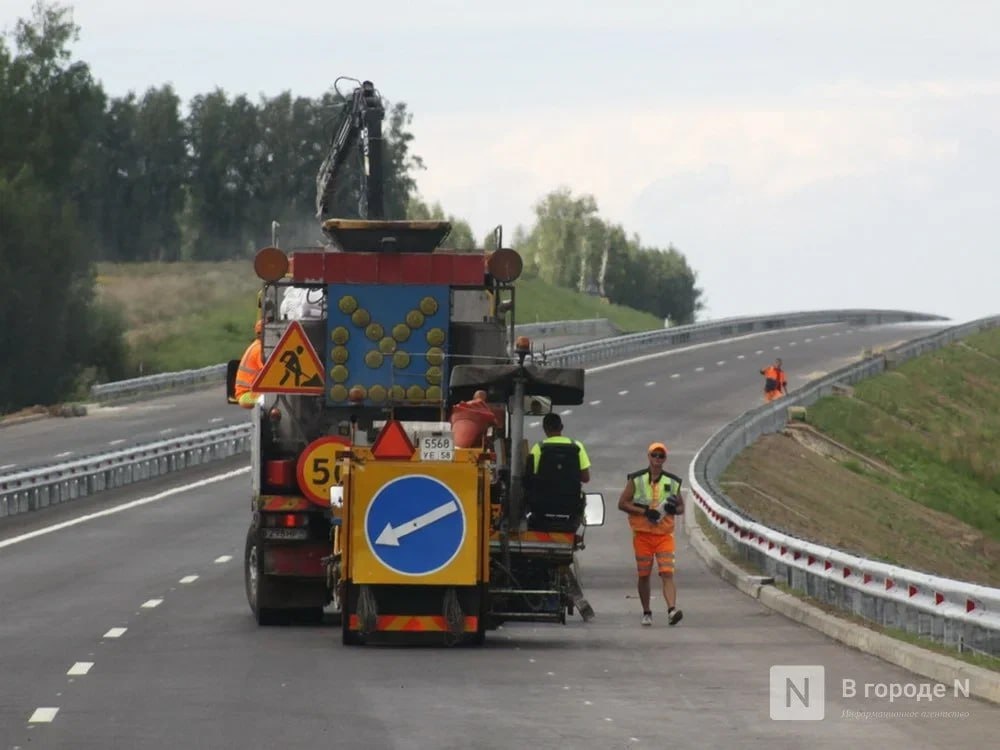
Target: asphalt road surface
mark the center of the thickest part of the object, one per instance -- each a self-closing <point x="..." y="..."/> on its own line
<point x="124" y="622"/>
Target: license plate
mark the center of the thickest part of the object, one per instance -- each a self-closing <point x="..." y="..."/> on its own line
<point x="286" y="533"/>
<point x="437" y="448"/>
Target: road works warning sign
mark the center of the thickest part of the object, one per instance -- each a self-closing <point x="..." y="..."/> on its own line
<point x="293" y="366"/>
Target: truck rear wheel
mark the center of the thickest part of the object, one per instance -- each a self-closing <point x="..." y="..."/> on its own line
<point x="258" y="590"/>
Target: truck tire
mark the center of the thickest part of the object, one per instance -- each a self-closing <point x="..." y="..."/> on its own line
<point x="258" y="590"/>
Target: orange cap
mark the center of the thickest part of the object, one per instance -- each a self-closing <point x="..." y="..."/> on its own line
<point x="657" y="447"/>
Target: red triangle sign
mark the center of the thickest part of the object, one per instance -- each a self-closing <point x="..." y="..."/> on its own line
<point x="392" y="442"/>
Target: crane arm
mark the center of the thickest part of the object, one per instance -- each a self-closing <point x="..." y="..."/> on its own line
<point x="362" y="125"/>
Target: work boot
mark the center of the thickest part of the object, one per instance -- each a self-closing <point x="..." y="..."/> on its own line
<point x="674" y="616"/>
<point x="647" y="618"/>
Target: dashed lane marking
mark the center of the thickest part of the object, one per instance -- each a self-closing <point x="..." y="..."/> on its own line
<point x="81" y="667"/>
<point x="43" y="715"/>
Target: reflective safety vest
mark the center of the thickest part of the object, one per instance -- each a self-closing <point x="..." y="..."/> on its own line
<point x="250" y="365"/>
<point x="649" y="494"/>
<point x="774" y="379"/>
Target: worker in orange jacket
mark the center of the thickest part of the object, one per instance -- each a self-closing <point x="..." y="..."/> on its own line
<point x="652" y="499"/>
<point x="775" y="382"/>
<point x="251" y="364"/>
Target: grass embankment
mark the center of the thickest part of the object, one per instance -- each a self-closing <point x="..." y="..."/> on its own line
<point x="934" y="422"/>
<point x="188" y="315"/>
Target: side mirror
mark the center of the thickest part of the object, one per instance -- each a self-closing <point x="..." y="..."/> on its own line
<point x="593" y="510"/>
<point x="232" y="367"/>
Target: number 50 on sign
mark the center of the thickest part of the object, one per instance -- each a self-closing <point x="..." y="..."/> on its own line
<point x="317" y="467"/>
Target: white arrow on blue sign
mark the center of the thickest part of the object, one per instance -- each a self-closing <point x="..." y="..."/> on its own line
<point x="415" y="525"/>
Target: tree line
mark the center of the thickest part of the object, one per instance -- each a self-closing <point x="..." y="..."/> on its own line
<point x="88" y="177"/>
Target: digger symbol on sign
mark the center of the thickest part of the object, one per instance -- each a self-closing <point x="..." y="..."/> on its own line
<point x="293" y="366"/>
<point x="290" y="359"/>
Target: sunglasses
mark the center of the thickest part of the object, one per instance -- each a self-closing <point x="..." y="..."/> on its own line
<point x="658" y="455"/>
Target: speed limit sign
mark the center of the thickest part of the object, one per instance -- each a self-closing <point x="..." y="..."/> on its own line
<point x="317" y="467"/>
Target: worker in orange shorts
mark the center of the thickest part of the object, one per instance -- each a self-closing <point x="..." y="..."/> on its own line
<point x="651" y="498"/>
<point x="775" y="382"/>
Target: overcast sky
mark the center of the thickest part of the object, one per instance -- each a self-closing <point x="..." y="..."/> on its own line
<point x="802" y="155"/>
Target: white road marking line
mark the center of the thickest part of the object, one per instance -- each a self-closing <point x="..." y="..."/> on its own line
<point x="720" y="363"/>
<point x="650" y="383"/>
<point x="595" y="403"/>
<point x="213" y="420"/>
<point x="119" y="441"/>
<point x="64" y="454"/>
<point x="622" y="393"/>
<point x="808" y="341"/>
<point x="43" y="715"/>
<point x="189" y="579"/>
<point x="793" y="344"/>
<point x="164" y="432"/>
<point x="699" y="369"/>
<point x="551" y="674"/>
<point x="81" y="667"/>
<point x="777" y="347"/>
<point x="823" y="336"/>
<point x="566" y="411"/>
<point x="675" y="376"/>
<point x="123" y="507"/>
<point x="115" y="633"/>
<point x="223" y="559"/>
<point x="740" y="356"/>
<point x="759" y="351"/>
<point x="152" y="603"/>
<point x="588" y="703"/>
<point x="7" y="466"/>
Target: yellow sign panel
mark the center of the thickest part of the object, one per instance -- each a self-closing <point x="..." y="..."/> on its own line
<point x="293" y="366"/>
<point x="415" y="523"/>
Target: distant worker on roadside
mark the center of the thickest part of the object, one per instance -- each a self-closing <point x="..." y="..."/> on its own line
<point x="775" y="382"/>
<point x="251" y="364"/>
<point x="651" y="498"/>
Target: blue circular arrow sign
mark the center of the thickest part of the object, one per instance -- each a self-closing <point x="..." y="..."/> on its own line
<point x="415" y="525"/>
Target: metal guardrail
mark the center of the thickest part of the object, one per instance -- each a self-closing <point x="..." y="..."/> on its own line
<point x="40" y="488"/>
<point x="950" y="611"/>
<point x="716" y="330"/>
<point x="607" y="348"/>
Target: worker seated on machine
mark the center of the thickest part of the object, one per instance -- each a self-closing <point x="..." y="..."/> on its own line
<point x="557" y="469"/>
